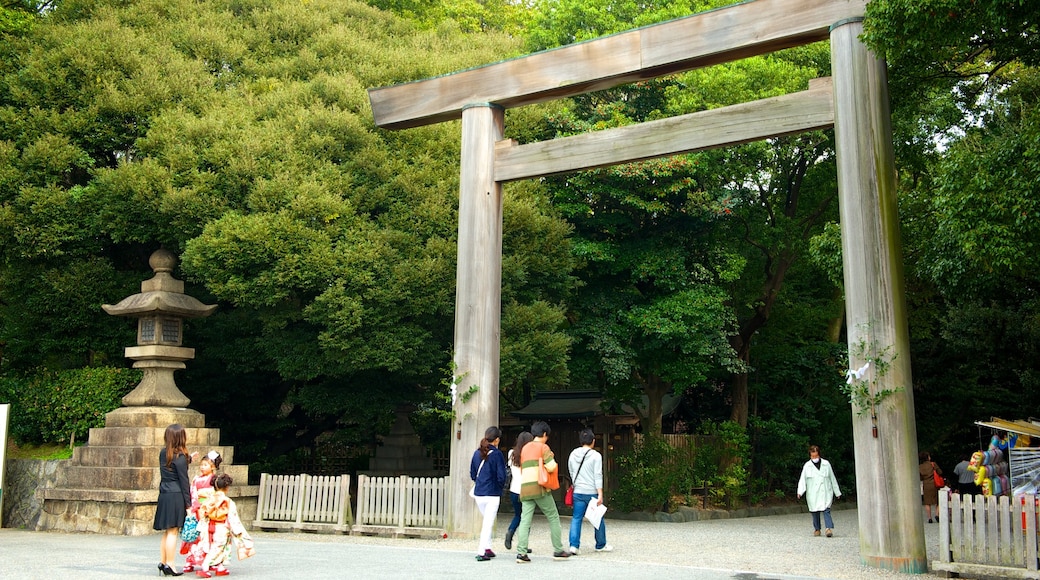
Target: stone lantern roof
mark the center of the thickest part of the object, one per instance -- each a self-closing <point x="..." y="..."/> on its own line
<point x="162" y="294"/>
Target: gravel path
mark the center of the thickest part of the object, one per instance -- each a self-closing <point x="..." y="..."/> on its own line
<point x="769" y="545"/>
<point x="776" y="547"/>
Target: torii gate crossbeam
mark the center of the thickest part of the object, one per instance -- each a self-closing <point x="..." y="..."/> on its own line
<point x="891" y="530"/>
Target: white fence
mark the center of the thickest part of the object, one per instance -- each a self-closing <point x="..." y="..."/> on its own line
<point x="304" y="502"/>
<point x="396" y="506"/>
<point x="401" y="505"/>
<point x="988" y="535"/>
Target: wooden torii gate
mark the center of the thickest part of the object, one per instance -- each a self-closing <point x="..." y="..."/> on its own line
<point x="854" y="102"/>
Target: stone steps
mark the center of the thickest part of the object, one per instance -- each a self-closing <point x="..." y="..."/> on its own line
<point x="132" y="497"/>
<point x="131" y="478"/>
<point x="205" y="438"/>
<point x="111" y="484"/>
<point x="120" y="455"/>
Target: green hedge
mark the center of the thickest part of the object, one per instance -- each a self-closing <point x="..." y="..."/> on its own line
<point x="656" y="476"/>
<point x="650" y="476"/>
<point x="55" y="406"/>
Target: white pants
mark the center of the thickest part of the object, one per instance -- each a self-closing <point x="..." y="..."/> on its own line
<point x="488" y="506"/>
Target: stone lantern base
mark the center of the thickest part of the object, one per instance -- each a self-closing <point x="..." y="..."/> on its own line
<point x="111" y="484"/>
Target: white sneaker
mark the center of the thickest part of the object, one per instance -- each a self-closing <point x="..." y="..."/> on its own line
<point x="573" y="550"/>
<point x="607" y="548"/>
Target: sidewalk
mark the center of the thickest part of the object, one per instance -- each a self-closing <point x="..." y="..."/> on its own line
<point x="780" y="547"/>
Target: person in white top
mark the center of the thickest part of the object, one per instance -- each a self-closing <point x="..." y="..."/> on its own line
<point x="585" y="465"/>
<point x="819" y="486"/>
<point x="513" y="462"/>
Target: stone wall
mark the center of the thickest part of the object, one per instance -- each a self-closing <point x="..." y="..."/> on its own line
<point x="24" y="483"/>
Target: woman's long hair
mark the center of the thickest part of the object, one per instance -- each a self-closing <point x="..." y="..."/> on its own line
<point x="490" y="434"/>
<point x="176" y="442"/>
<point x="522" y="439"/>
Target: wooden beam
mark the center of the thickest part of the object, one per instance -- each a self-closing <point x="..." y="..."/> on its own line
<point x="699" y="40"/>
<point x="783" y="115"/>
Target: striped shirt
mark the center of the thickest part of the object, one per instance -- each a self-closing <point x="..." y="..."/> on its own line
<point x="529" y="455"/>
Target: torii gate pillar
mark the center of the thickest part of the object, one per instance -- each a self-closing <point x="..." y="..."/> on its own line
<point x="478" y="304"/>
<point x="891" y="533"/>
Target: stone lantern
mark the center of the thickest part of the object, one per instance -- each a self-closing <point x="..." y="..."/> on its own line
<point x="160" y="309"/>
<point x="111" y="484"/>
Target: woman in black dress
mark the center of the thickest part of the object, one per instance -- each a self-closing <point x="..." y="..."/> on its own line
<point x="174" y="495"/>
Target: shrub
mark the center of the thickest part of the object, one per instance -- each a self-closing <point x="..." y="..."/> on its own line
<point x="724" y="466"/>
<point x="59" y="406"/>
<point x="650" y="476"/>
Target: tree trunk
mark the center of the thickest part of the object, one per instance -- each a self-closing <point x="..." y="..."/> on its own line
<point x="651" y="418"/>
<point x="741" y="342"/>
<point x="739" y="397"/>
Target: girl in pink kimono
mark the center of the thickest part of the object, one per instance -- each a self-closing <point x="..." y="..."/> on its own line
<point x="201" y="492"/>
<point x="224" y="528"/>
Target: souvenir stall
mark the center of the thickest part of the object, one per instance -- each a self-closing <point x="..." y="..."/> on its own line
<point x="1011" y="464"/>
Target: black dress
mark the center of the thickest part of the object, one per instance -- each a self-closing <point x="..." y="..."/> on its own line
<point x="174" y="493"/>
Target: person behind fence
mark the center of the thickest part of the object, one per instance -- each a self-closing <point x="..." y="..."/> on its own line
<point x="965" y="477"/>
<point x="487" y="469"/>
<point x="929" y="491"/>
<point x="224" y="527"/>
<point x="585" y="466"/>
<point x="819" y="486"/>
<point x="513" y="461"/>
<point x="533" y="457"/>
<point x="174" y="495"/>
<point x="201" y="491"/>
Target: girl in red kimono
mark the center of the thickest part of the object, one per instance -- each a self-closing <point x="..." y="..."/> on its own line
<point x="201" y="492"/>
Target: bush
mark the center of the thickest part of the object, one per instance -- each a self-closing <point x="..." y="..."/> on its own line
<point x="650" y="476"/>
<point x="59" y="406"/>
<point x="724" y="466"/>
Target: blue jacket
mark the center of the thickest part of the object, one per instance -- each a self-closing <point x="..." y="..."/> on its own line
<point x="492" y="477"/>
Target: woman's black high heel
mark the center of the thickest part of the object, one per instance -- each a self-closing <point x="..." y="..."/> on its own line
<point x="165" y="570"/>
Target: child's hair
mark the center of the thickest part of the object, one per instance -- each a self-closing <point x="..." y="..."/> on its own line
<point x="522" y="439"/>
<point x="214" y="458"/>
<point x="176" y="443"/>
<point x="223" y="481"/>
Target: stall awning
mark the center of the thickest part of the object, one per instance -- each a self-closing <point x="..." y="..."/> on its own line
<point x="577" y="405"/>
<point x="1018" y="426"/>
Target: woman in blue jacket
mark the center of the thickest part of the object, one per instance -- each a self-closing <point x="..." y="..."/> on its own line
<point x="487" y="469"/>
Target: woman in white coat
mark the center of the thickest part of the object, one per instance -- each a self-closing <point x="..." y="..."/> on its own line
<point x="820" y="487"/>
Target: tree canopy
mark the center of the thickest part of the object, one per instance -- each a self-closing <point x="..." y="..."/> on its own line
<point x="237" y="134"/>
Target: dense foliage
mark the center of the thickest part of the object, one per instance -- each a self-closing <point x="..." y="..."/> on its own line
<point x="237" y="134"/>
<point x="62" y="406"/>
<point x="966" y="113"/>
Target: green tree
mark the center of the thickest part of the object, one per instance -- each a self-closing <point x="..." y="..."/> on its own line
<point x="509" y="16"/>
<point x="239" y="136"/>
<point x="966" y="119"/>
<point x="687" y="256"/>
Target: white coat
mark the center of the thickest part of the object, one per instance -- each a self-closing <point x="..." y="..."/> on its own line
<point x="819" y="486"/>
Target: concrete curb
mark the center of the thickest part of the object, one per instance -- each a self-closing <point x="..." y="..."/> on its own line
<point x="688" y="514"/>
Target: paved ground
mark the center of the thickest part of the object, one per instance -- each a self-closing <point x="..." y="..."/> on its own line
<point x="773" y="547"/>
